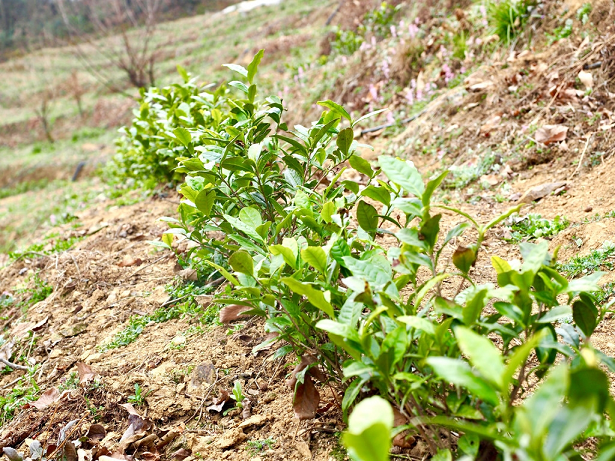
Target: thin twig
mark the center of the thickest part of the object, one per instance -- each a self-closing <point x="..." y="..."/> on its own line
<point x="148" y="265"/>
<point x="14" y="366"/>
<point x="582" y="157"/>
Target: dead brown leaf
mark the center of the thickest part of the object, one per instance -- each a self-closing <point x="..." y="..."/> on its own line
<point x="233" y="312"/>
<point x="86" y="374"/>
<point x="128" y="261"/>
<point x="550" y="134"/>
<point x="306" y="360"/>
<point x="219" y="402"/>
<point x="47" y="398"/>
<point x="70" y="452"/>
<point x="188" y="274"/>
<point x="402" y="439"/>
<point x="96" y="433"/>
<point x="181" y="454"/>
<point x="306" y="399"/>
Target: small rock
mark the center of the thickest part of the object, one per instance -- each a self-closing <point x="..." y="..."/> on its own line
<point x="255" y="420"/>
<point x="200" y="444"/>
<point x="178" y="340"/>
<point x="304" y="449"/>
<point x="538" y="192"/>
<point x="188" y="274"/>
<point x="588" y="209"/>
<point x="231" y="438"/>
<point x="269" y="397"/>
<point x="204" y="373"/>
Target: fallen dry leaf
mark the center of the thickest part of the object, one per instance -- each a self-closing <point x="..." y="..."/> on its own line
<point x="86" y="374"/>
<point x="96" y="433"/>
<point x="219" y="402"/>
<point x="70" y="452"/>
<point x="403" y="439"/>
<point x="306" y="360"/>
<point x="47" y="398"/>
<point x="188" y="274"/>
<point x="129" y="260"/>
<point x="232" y="313"/>
<point x="549" y="134"/>
<point x="306" y="399"/>
<point x="538" y="192"/>
<point x="181" y="454"/>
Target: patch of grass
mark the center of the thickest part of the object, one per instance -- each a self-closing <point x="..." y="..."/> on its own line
<point x="596" y="260"/>
<point x="37" y="249"/>
<point x="23" y="187"/>
<point x="39" y="292"/>
<point x="186" y="305"/>
<point x="139" y="396"/>
<point x="508" y="17"/>
<point x="256" y="446"/>
<point x="460" y="176"/>
<point x="338" y="453"/>
<point x="25" y="390"/>
<point x="533" y="226"/>
<point x="71" y="382"/>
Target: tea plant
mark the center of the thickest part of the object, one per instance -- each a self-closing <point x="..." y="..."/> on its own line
<point x="268" y="208"/>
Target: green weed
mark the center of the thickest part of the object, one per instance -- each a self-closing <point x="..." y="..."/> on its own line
<point x="139" y="396"/>
<point x="72" y="382"/>
<point x="256" y="446"/>
<point x="584" y="12"/>
<point x="25" y="390"/>
<point x="533" y="226"/>
<point x="185" y="305"/>
<point x="461" y="176"/>
<point x="32" y="295"/>
<point x="596" y="260"/>
<point x="508" y="17"/>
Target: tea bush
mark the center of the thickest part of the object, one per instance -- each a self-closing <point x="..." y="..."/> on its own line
<point x="474" y="369"/>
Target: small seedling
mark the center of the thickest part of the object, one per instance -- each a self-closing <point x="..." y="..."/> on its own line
<point x="139" y="396"/>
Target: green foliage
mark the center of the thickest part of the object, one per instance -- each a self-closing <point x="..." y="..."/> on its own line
<point x="595" y="260"/>
<point x="533" y="226"/>
<point x="183" y="303"/>
<point x="71" y="382"/>
<point x="345" y="42"/>
<point x="307" y="257"/>
<point x="254" y="447"/>
<point x="461" y="176"/>
<point x="508" y="17"/>
<point x="32" y="295"/>
<point x="24" y="391"/>
<point x="584" y="12"/>
<point x="563" y="31"/>
<point x="378" y="22"/>
<point x="369" y="430"/>
<point x="138" y="398"/>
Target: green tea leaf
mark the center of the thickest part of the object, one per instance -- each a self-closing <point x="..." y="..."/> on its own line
<point x="253" y="66"/>
<point x="369" y="430"/>
<point x="315" y="297"/>
<point x="344" y="140"/>
<point x="403" y="174"/>
<point x="251" y="217"/>
<point x="236" y="68"/>
<point x="380" y="194"/>
<point x="242" y="262"/>
<point x="361" y="165"/>
<point x="183" y="136"/>
<point x="459" y="373"/>
<point x="315" y="257"/>
<point x="585" y="316"/>
<point x="205" y="201"/>
<point x="483" y="355"/>
<point x="367" y="216"/>
<point x="336" y="108"/>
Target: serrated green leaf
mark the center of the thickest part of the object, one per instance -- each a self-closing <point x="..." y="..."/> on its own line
<point x="361" y="165"/>
<point x="242" y="262"/>
<point x="404" y="174"/>
<point x="315" y="257"/>
<point x="315" y="297"/>
<point x="367" y="216"/>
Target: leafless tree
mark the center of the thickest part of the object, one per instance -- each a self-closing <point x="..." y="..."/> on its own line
<point x="122" y="38"/>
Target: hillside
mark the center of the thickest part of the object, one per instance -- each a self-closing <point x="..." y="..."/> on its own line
<point x="142" y="319"/>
